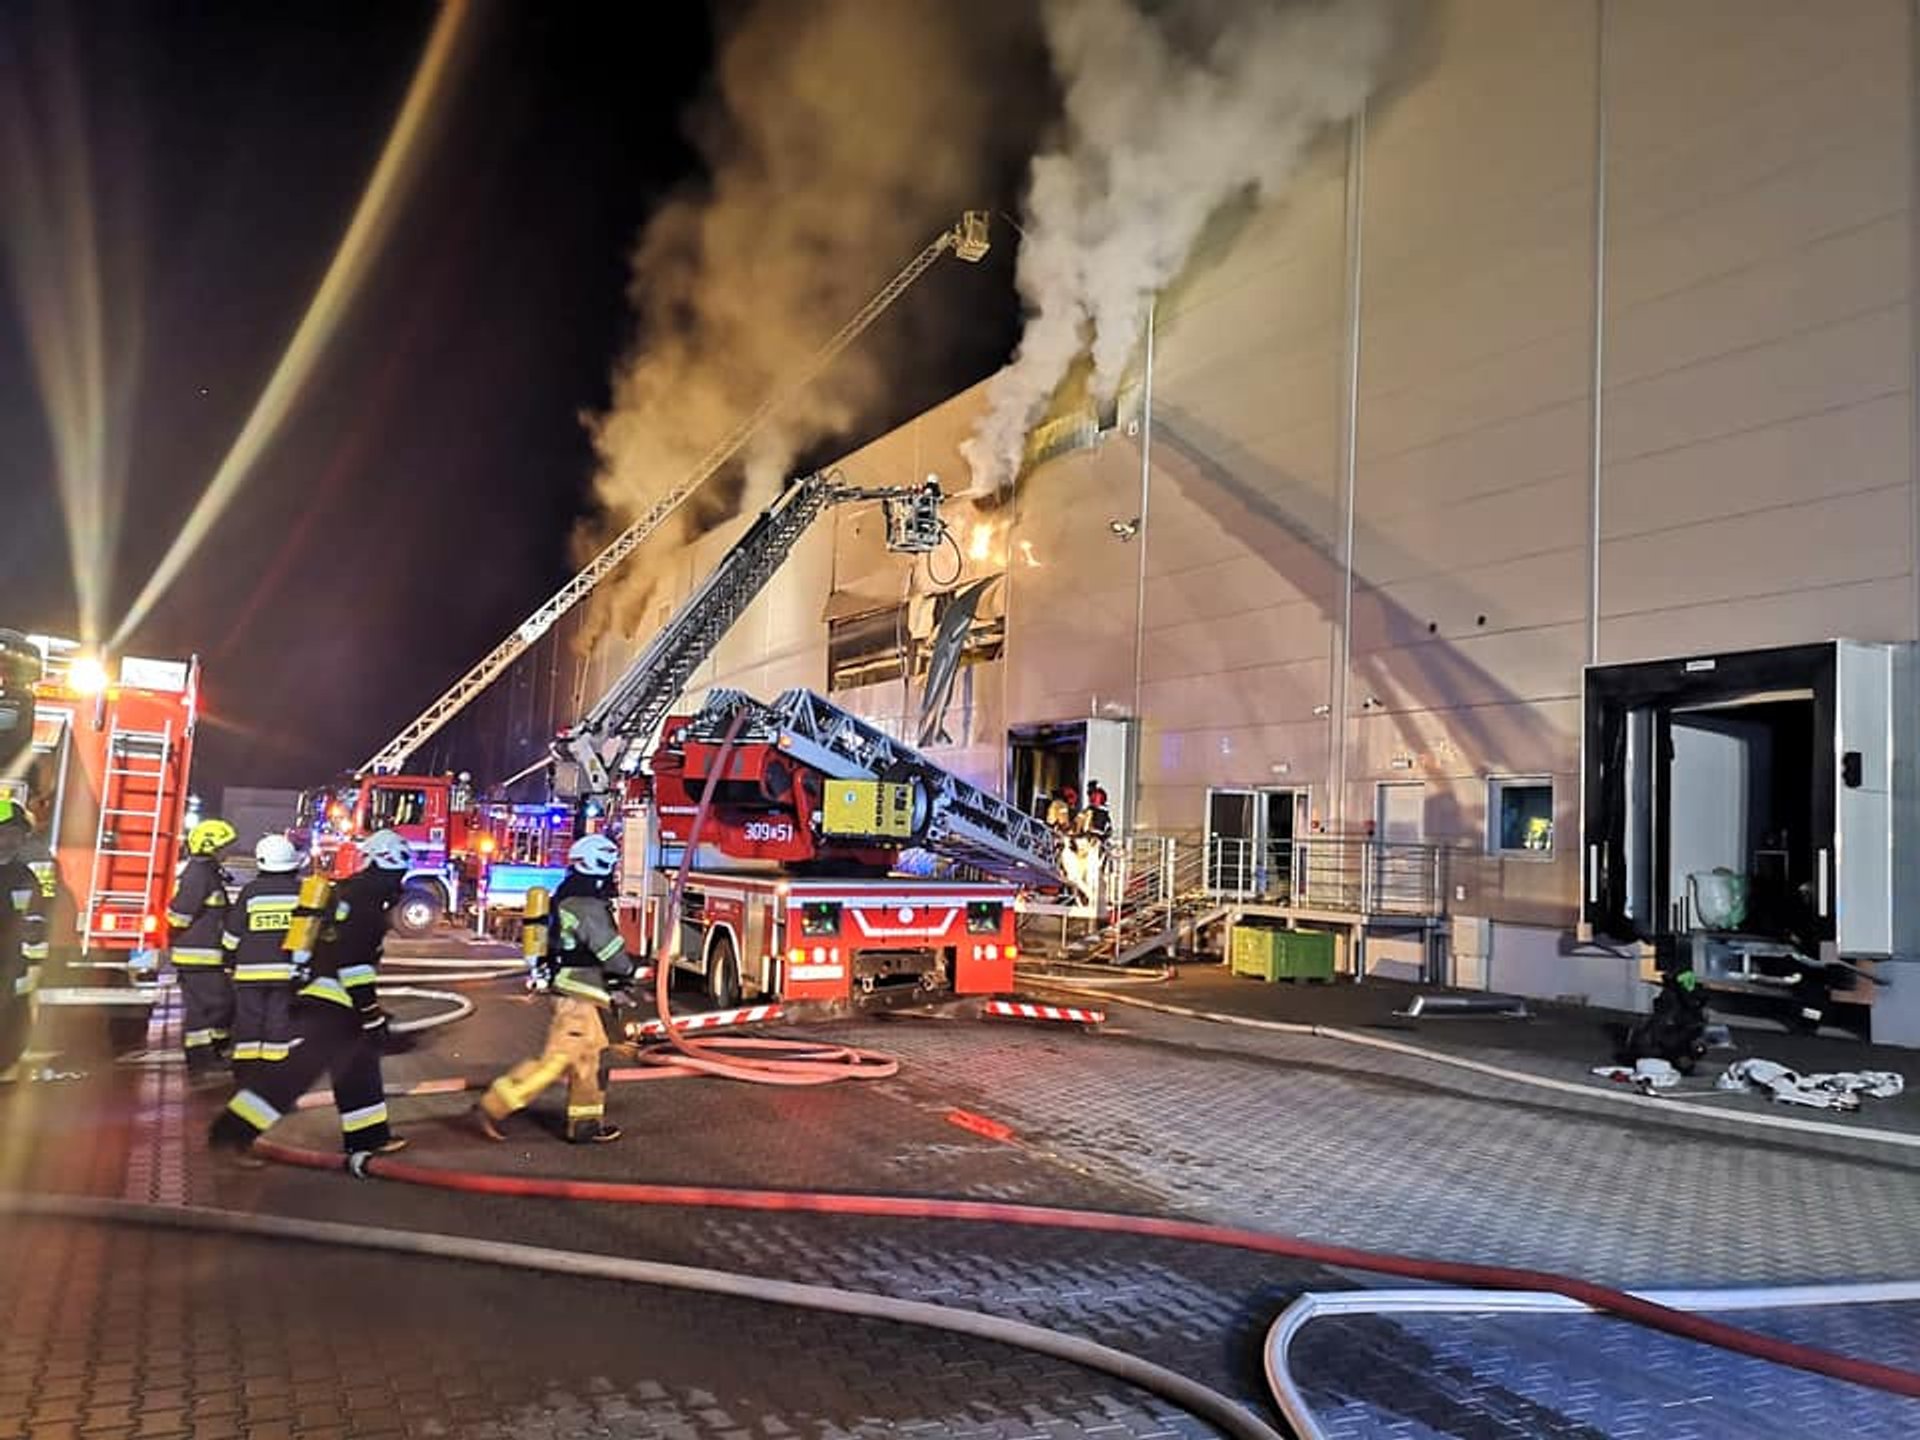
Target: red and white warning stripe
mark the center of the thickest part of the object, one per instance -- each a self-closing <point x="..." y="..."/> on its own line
<point x="711" y="1020"/>
<point x="1021" y="1010"/>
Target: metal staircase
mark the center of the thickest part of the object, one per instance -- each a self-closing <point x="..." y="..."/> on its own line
<point x="964" y="823"/>
<point x="1157" y="895"/>
<point x="128" y="840"/>
<point x="616" y="732"/>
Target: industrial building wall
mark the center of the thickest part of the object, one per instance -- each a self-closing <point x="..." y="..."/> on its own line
<point x="1593" y="342"/>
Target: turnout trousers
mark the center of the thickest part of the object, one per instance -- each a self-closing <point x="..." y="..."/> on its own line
<point x="575" y="1048"/>
<point x="262" y="1028"/>
<point x="16" y="1010"/>
<point x="206" y="999"/>
<point x="327" y="1040"/>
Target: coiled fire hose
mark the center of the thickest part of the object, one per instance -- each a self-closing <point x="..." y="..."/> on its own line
<point x="758" y="1060"/>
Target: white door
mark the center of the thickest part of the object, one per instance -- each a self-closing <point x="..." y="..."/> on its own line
<point x="1400" y="812"/>
<point x="1400" y="821"/>
<point x="1231" y="840"/>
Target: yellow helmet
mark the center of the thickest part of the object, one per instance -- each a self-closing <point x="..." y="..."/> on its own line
<point x="210" y="836"/>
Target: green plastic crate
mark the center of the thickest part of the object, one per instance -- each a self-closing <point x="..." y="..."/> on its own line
<point x="1282" y="954"/>
<point x="1255" y="951"/>
<point x="1307" y="955"/>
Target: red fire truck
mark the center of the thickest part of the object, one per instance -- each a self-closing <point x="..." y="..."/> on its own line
<point x="106" y="779"/>
<point x="457" y="842"/>
<point x="800" y="888"/>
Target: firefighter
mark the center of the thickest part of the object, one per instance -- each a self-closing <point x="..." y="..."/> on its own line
<point x="339" y="1028"/>
<point x="195" y="917"/>
<point x="23" y="936"/>
<point x="1062" y="812"/>
<point x="1096" y="820"/>
<point x="254" y="936"/>
<point x="585" y="960"/>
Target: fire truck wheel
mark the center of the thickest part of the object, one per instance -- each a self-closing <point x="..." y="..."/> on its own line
<point x="723" y="973"/>
<point x="418" y="912"/>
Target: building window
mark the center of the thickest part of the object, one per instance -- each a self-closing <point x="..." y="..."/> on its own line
<point x="1520" y="817"/>
<point x="866" y="649"/>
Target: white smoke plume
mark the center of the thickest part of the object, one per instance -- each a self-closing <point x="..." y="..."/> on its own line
<point x="840" y="137"/>
<point x="1171" y="112"/>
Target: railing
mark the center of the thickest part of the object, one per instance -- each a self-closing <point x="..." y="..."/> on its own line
<point x="1153" y="883"/>
<point x="1333" y="873"/>
<point x="1322" y="872"/>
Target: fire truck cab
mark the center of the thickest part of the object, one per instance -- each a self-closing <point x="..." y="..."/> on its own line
<point x="433" y="812"/>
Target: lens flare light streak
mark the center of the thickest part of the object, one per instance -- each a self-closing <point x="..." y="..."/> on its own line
<point x="51" y="239"/>
<point x="372" y="219"/>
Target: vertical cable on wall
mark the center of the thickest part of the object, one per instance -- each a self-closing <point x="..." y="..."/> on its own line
<point x="1349" y="450"/>
<point x="1596" y="416"/>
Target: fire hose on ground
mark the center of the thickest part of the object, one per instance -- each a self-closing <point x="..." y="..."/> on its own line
<point x="759" y="1060"/>
<point x="1623" y="1304"/>
<point x="1190" y="1395"/>
<point x="1899" y="1139"/>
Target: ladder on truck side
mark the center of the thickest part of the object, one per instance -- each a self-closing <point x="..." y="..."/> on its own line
<point x="126" y="843"/>
<point x="964" y="822"/>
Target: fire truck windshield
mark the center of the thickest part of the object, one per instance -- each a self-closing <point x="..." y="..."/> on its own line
<point x="394" y="807"/>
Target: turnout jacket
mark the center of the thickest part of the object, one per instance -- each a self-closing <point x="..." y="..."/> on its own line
<point x="345" y="969"/>
<point x="255" y="930"/>
<point x="587" y="947"/>
<point x="197" y="912"/>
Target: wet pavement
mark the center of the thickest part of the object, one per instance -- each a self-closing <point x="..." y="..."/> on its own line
<point x="1158" y="1115"/>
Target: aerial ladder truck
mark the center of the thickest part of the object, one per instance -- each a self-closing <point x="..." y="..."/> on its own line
<point x="451" y="839"/>
<point x="812" y="877"/>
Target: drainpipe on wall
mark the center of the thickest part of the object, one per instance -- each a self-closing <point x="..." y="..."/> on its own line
<point x="1349" y="431"/>
<point x="1144" y="532"/>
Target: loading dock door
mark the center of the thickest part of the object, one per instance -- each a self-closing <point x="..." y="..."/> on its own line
<point x="1712" y="763"/>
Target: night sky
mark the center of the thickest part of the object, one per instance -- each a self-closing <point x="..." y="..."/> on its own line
<point x="419" y="501"/>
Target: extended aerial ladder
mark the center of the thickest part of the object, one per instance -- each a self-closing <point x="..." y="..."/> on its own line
<point x="967" y="239"/>
<point x="613" y="735"/>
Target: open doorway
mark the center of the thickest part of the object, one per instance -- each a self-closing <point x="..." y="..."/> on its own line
<point x="1249" y="840"/>
<point x="1740" y="802"/>
<point x="1044" y="759"/>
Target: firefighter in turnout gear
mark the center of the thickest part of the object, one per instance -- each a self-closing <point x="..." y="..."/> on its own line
<point x="585" y="958"/>
<point x="195" y="917"/>
<point x="23" y="935"/>
<point x="254" y="937"/>
<point x="338" y="1025"/>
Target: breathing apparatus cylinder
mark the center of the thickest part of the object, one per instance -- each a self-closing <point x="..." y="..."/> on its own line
<point x="309" y="913"/>
<point x="534" y="922"/>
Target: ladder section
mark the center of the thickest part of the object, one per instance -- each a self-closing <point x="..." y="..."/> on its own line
<point x="126" y="846"/>
<point x="626" y="717"/>
<point x="965" y="823"/>
<point x="967" y="239"/>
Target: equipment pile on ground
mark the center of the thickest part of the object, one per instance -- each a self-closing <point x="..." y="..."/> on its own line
<point x="1839" y="1090"/>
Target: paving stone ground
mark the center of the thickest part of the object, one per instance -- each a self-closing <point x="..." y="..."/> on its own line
<point x="1158" y="1115"/>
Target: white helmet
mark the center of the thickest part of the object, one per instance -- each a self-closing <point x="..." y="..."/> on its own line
<point x="387" y="850"/>
<point x="276" y="855"/>
<point x="593" y="855"/>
